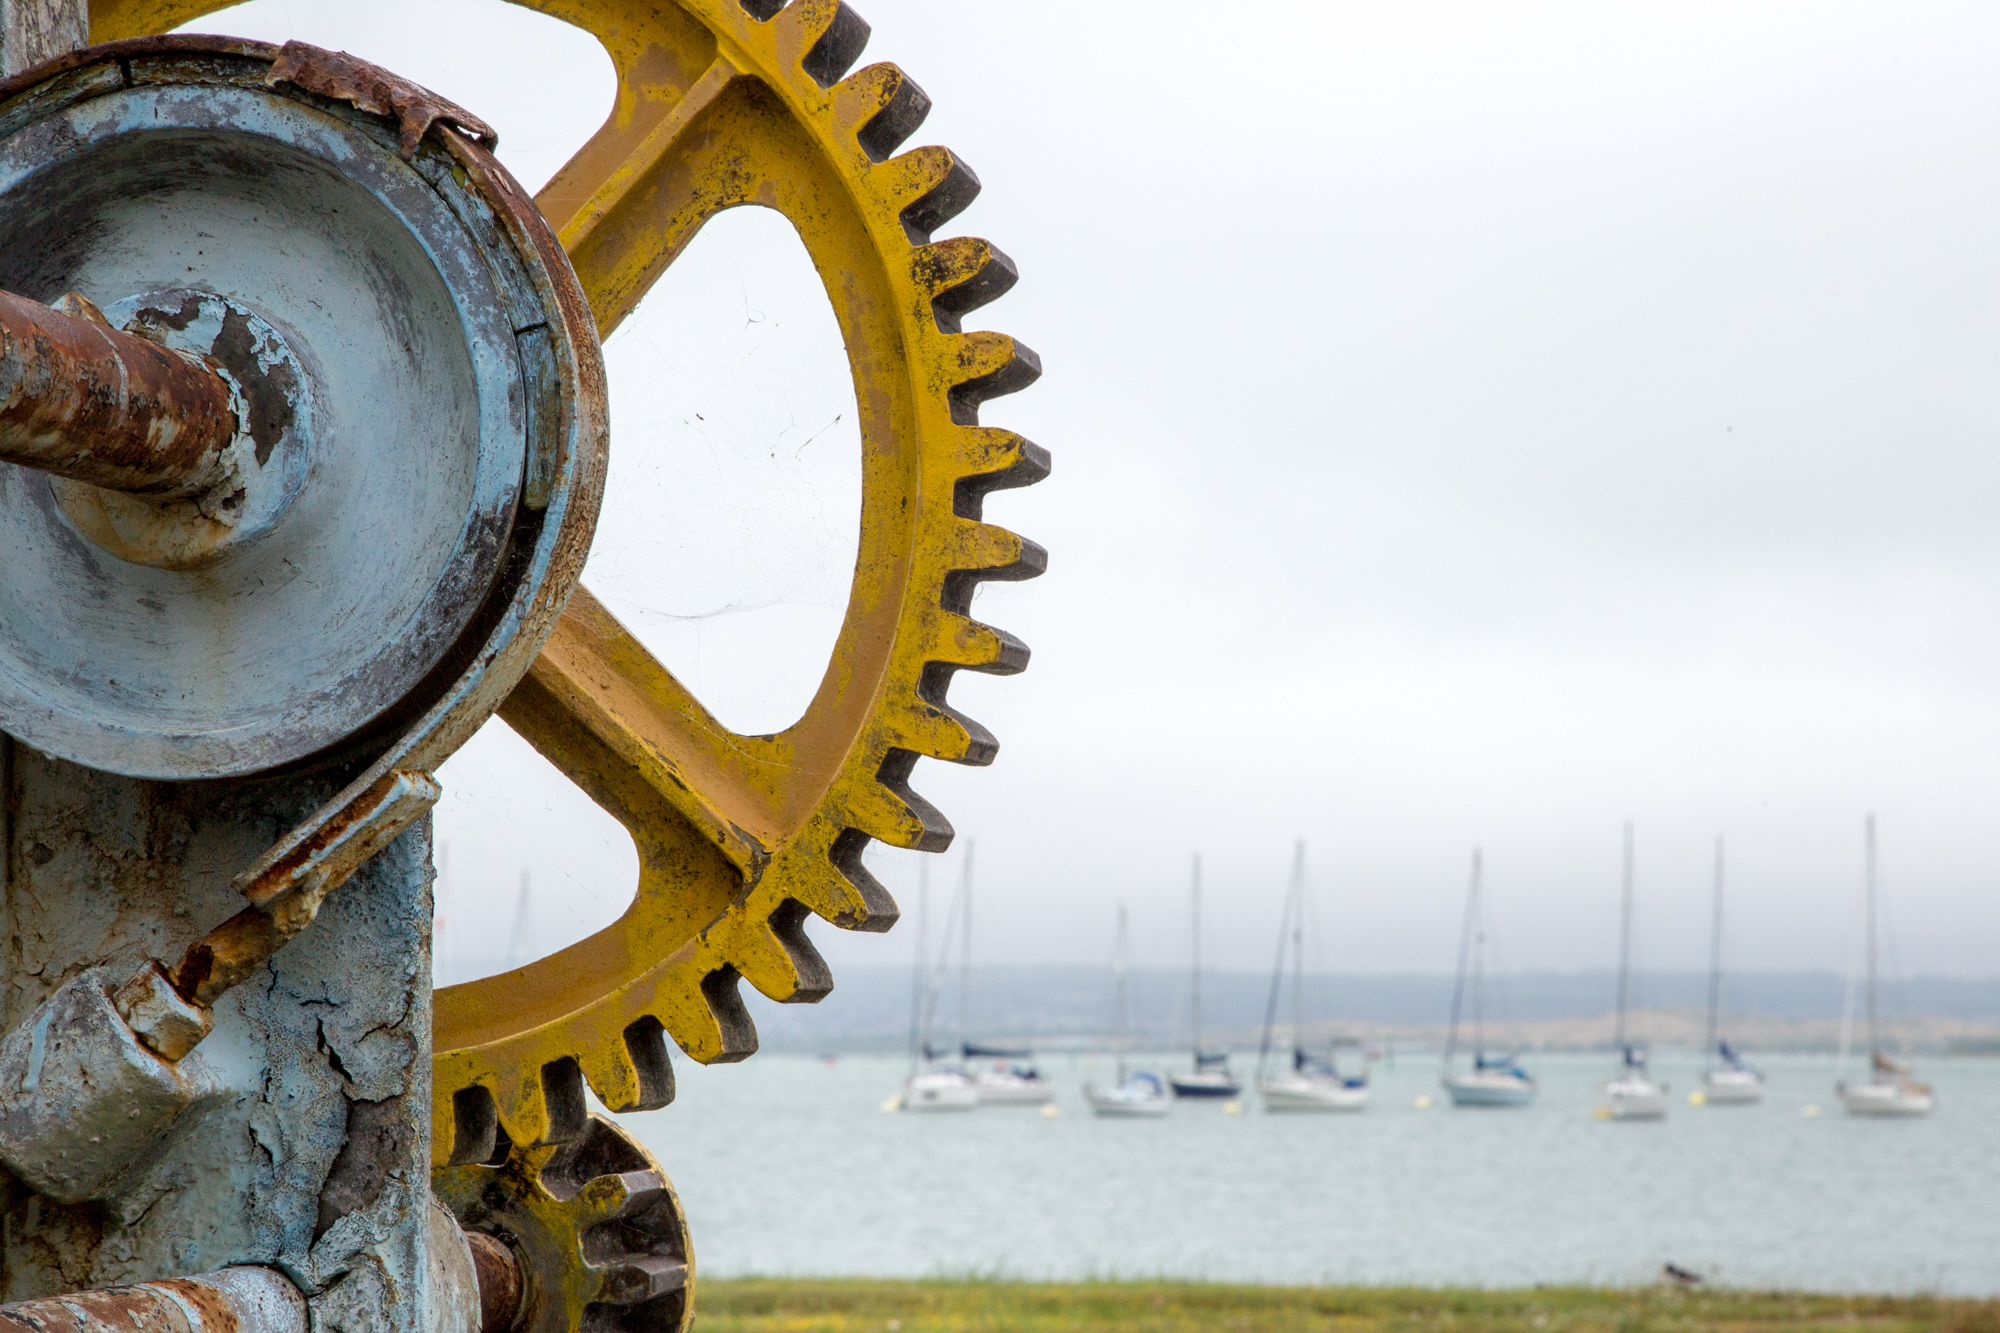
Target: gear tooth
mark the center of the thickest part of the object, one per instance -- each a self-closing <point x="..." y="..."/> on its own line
<point x="775" y="956"/>
<point x="936" y="732"/>
<point x="991" y="460"/>
<point x="619" y="1194"/>
<point x="991" y="551"/>
<point x="928" y="187"/>
<point x="983" y="366"/>
<point x="877" y="910"/>
<point x="888" y="811"/>
<point x="635" y="1280"/>
<point x="646" y="1049"/>
<point x="960" y="275"/>
<point x="982" y="553"/>
<point x="707" y="1018"/>
<point x="822" y="37"/>
<point x="882" y="106"/>
<point x="961" y="642"/>
<point x="614" y="1077"/>
<point x="819" y="882"/>
<point x="522" y="1108"/>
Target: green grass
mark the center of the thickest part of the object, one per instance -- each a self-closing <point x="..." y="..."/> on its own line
<point x="763" y="1305"/>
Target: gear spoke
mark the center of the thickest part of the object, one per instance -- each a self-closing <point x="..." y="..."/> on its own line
<point x="603" y="709"/>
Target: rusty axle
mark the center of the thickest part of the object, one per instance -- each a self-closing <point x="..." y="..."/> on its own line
<point x="234" y="1300"/>
<point x="83" y="400"/>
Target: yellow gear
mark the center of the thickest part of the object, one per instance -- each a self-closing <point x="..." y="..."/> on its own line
<point x="724" y="103"/>
<point x="596" y="1231"/>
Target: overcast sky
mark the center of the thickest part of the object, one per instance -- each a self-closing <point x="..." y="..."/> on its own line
<point x="1475" y="424"/>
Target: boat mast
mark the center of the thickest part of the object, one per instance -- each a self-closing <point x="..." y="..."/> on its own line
<point x="1298" y="947"/>
<point x="1874" y="1018"/>
<point x="1625" y="945"/>
<point x="1464" y="960"/>
<point x="965" y="954"/>
<point x="1715" y="963"/>
<point x="1278" y="970"/>
<point x="1194" y="910"/>
<point x="1118" y="980"/>
<point x="923" y="952"/>
<point x="1478" y="965"/>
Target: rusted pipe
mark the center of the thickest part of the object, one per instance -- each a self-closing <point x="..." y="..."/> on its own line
<point x="499" y="1274"/>
<point x="83" y="400"/>
<point x="234" y="1300"/>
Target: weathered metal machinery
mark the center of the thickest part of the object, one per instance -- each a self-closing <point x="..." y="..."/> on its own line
<point x="303" y="430"/>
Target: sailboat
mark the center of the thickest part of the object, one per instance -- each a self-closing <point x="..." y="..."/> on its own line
<point x="1211" y="1075"/>
<point x="930" y="1086"/>
<point x="1729" y="1079"/>
<point x="1312" y="1083"/>
<point x="1012" y="1079"/>
<point x="1493" y="1080"/>
<point x="1890" y="1090"/>
<point x="1138" y="1093"/>
<point x="1632" y="1093"/>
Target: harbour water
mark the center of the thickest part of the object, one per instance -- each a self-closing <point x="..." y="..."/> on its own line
<point x="788" y="1166"/>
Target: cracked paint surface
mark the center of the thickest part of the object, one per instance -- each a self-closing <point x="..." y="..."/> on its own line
<point x="310" y="1151"/>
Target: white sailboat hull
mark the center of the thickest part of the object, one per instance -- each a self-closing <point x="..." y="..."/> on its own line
<point x="1127" y="1103"/>
<point x="1491" y="1088"/>
<point x="1732" y="1087"/>
<point x="1635" y="1098"/>
<point x="1297" y="1092"/>
<point x="1013" y="1090"/>
<point x="1899" y="1098"/>
<point x="939" y="1092"/>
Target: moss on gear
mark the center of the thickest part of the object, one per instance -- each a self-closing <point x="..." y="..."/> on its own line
<point x="724" y="103"/>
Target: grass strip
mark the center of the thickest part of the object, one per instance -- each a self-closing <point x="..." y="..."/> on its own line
<point x="859" y="1305"/>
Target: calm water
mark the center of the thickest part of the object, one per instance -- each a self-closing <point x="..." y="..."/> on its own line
<point x="789" y="1166"/>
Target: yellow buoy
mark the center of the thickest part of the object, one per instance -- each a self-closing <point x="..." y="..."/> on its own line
<point x="1811" y="1111"/>
<point x="1050" y="1110"/>
<point x="1601" y="1112"/>
<point x="1423" y="1102"/>
<point x="1697" y="1099"/>
<point x="895" y="1103"/>
<point x="1232" y="1108"/>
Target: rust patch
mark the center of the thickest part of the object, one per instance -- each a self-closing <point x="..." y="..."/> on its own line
<point x="267" y="391"/>
<point x="229" y="953"/>
<point x="214" y="1311"/>
<point x="365" y="87"/>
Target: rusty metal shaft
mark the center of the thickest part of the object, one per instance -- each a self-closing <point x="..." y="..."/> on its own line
<point x="234" y="1300"/>
<point x="83" y="400"/>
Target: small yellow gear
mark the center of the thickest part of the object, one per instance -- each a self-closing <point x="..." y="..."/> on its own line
<point x="723" y="103"/>
<point x="594" y="1227"/>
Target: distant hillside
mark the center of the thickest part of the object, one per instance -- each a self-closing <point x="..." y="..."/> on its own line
<point x="870" y="1007"/>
